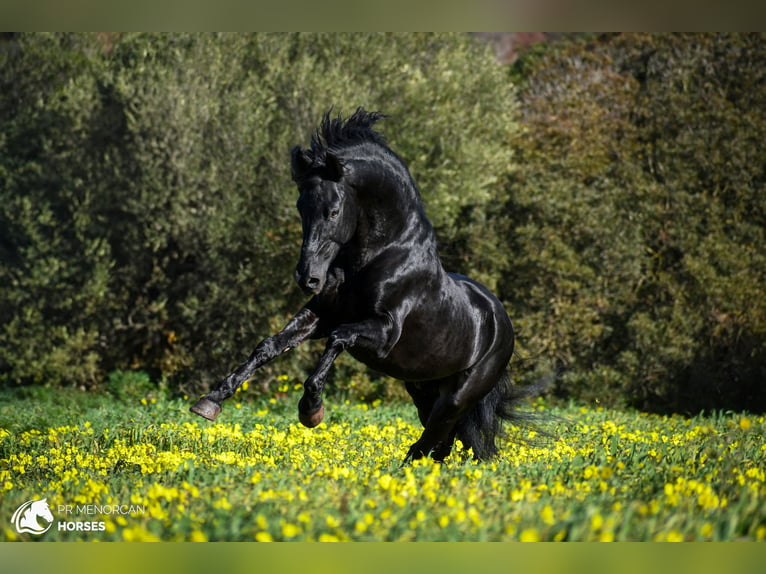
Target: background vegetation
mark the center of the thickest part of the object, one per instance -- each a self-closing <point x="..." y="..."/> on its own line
<point x="637" y="219"/>
<point x="609" y="189"/>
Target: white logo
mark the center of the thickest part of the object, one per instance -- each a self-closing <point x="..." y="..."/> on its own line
<point x="26" y="515"/>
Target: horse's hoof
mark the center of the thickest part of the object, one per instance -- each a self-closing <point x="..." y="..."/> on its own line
<point x="313" y="419"/>
<point x="207" y="409"/>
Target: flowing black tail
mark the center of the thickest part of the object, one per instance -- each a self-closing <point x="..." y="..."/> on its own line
<point x="480" y="428"/>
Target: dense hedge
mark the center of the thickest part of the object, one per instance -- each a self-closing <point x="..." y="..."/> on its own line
<point x="147" y="214"/>
<point x="614" y="199"/>
<point x="638" y="217"/>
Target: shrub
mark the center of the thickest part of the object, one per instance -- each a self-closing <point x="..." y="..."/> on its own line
<point x="147" y="214"/>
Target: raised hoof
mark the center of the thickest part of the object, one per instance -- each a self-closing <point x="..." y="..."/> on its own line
<point x="206" y="409"/>
<point x="313" y="419"/>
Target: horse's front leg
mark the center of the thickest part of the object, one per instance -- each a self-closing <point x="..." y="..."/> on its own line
<point x="372" y="334"/>
<point x="297" y="330"/>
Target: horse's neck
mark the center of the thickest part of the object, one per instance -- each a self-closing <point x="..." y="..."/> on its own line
<point x="391" y="212"/>
<point x="378" y="233"/>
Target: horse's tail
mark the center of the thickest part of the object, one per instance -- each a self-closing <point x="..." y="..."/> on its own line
<point x="483" y="424"/>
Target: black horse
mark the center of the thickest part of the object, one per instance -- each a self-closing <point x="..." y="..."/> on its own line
<point x="380" y="292"/>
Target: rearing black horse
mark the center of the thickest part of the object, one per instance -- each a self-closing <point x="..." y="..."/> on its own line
<point x="380" y="292"/>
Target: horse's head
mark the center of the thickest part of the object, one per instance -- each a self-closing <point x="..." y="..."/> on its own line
<point x="328" y="213"/>
<point x="41" y="509"/>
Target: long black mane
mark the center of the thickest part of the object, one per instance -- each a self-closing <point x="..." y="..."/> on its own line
<point x="335" y="133"/>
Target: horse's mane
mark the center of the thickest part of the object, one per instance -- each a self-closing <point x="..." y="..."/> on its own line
<point x="335" y="133"/>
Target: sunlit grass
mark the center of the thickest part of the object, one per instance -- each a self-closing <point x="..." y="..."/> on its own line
<point x="259" y="475"/>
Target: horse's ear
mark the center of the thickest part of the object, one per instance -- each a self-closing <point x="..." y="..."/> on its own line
<point x="334" y="166"/>
<point x="300" y="161"/>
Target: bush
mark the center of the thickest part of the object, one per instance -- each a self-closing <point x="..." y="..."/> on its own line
<point x="638" y="219"/>
<point x="147" y="214"/>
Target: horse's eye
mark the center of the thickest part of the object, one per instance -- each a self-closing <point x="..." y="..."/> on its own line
<point x="334" y="213"/>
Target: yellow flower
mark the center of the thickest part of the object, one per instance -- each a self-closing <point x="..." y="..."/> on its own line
<point x="547" y="515"/>
<point x="290" y="530"/>
<point x="263" y="537"/>
<point x="197" y="536"/>
<point x="707" y="530"/>
<point x="138" y="534"/>
<point x="332" y="522"/>
<point x="674" y="536"/>
<point x="529" y="535"/>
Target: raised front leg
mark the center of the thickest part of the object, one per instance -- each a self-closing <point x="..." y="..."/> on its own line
<point x="371" y="334"/>
<point x="300" y="328"/>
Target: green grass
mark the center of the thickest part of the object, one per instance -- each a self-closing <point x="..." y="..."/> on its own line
<point x="258" y="475"/>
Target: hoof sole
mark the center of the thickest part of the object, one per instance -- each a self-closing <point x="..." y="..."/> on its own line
<point x="206" y="409"/>
<point x="313" y="419"/>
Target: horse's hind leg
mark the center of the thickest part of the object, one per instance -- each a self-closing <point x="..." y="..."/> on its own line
<point x="439" y="427"/>
<point x="424" y="396"/>
<point x="457" y="395"/>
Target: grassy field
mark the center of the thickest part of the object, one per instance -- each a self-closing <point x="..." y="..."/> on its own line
<point x="133" y="469"/>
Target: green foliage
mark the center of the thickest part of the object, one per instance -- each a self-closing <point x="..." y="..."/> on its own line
<point x="147" y="217"/>
<point x="147" y="214"/>
<point x="639" y="219"/>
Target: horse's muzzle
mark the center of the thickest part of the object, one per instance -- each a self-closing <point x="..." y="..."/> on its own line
<point x="309" y="283"/>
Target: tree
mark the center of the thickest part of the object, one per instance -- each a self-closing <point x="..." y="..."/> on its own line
<point x="638" y="213"/>
<point x="146" y="209"/>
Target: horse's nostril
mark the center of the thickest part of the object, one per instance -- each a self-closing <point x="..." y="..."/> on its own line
<point x="313" y="282"/>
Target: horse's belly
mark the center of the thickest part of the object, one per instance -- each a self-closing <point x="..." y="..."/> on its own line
<point x="424" y="352"/>
<point x="405" y="367"/>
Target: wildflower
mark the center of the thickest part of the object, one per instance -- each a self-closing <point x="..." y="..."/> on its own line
<point x="674" y="536"/>
<point x="304" y="517"/>
<point x="263" y="537"/>
<point x="290" y="530"/>
<point x="529" y="535"/>
<point x="332" y="522"/>
<point x="707" y="530"/>
<point x="547" y="515"/>
<point x="138" y="534"/>
<point x="596" y="522"/>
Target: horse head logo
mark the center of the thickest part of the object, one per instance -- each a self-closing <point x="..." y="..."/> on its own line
<point x="26" y="516"/>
